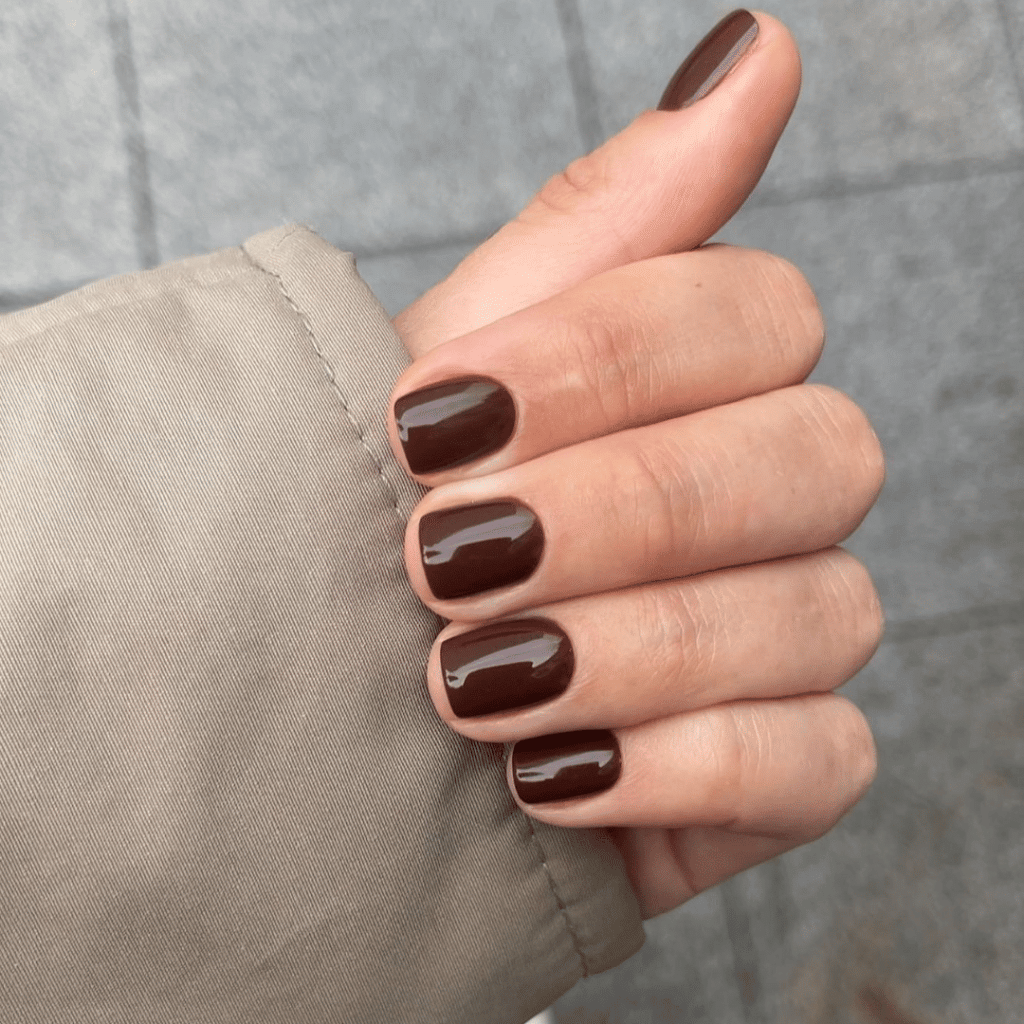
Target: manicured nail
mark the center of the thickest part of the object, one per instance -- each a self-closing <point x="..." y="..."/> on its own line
<point x="565" y="765"/>
<point x="714" y="57"/>
<point x="506" y="665"/>
<point x="448" y="424"/>
<point x="474" y="548"/>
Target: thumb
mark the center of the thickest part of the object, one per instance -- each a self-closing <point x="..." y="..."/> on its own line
<point x="665" y="184"/>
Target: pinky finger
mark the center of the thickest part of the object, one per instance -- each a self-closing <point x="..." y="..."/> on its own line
<point x="785" y="769"/>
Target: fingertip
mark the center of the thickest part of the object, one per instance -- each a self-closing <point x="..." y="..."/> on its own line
<point x="776" y="44"/>
<point x="761" y="90"/>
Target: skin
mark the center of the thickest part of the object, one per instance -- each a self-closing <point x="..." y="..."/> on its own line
<point x="691" y="486"/>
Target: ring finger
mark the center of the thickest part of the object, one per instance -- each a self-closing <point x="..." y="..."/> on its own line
<point x="798" y="625"/>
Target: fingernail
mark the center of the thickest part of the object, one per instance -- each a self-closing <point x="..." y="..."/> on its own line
<point x="474" y="548"/>
<point x="448" y="424"/>
<point x="506" y="665"/>
<point x="565" y="765"/>
<point x="714" y="57"/>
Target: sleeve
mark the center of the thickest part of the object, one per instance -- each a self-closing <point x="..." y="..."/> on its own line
<point x="224" y="794"/>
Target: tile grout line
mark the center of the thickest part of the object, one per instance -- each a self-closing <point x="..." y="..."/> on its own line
<point x="908" y="177"/>
<point x="581" y="75"/>
<point x="1011" y="49"/>
<point x="834" y="188"/>
<point x="746" y="963"/>
<point x="139" y="185"/>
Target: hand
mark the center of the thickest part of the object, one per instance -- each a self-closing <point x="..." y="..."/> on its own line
<point x="632" y="522"/>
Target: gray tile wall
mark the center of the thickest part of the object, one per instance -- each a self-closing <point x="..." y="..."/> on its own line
<point x="135" y="131"/>
<point x="64" y="205"/>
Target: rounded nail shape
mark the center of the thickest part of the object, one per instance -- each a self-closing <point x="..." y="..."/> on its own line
<point x="565" y="765"/>
<point x="449" y="424"/>
<point x="506" y="665"/>
<point x="711" y="60"/>
<point x="473" y="548"/>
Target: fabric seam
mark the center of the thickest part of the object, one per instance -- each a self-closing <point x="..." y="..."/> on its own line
<point x="308" y="327"/>
<point x="332" y="379"/>
<point x="553" y="885"/>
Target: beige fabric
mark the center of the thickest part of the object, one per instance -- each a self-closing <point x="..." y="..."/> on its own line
<point x="224" y="795"/>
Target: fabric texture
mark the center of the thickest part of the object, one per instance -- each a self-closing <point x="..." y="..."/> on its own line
<point x="224" y="794"/>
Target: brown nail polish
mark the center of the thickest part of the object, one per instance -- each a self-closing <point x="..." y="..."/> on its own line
<point x="506" y="665"/>
<point x="474" y="548"/>
<point x="448" y="424"/>
<point x="565" y="765"/>
<point x="712" y="59"/>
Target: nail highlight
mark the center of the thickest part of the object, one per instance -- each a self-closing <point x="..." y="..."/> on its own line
<point x="712" y="59"/>
<point x="446" y="425"/>
<point x="473" y="548"/>
<point x="565" y="765"/>
<point x="506" y="665"/>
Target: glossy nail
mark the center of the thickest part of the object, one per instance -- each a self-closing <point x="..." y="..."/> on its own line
<point x="565" y="765"/>
<point x="474" y="548"/>
<point x="506" y="665"/>
<point x="448" y="424"/>
<point x="712" y="59"/>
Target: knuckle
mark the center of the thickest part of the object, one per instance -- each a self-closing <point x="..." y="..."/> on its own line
<point x="739" y="751"/>
<point x="728" y="778"/>
<point x="749" y="748"/>
<point x="657" y="501"/>
<point x="855" y="757"/>
<point x="679" y="636"/>
<point x="604" y="348"/>
<point x="788" y="313"/>
<point x="846" y="763"/>
<point x="852" y="602"/>
<point x="844" y="429"/>
<point x="580" y="185"/>
<point x="587" y="188"/>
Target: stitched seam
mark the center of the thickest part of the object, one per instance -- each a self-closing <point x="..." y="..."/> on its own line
<point x="563" y="910"/>
<point x="558" y="899"/>
<point x="292" y="230"/>
<point x="332" y="379"/>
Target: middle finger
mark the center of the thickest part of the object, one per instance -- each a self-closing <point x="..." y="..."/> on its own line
<point x="779" y="474"/>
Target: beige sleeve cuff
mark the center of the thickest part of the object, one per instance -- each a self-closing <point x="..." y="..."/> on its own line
<point x="224" y="794"/>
